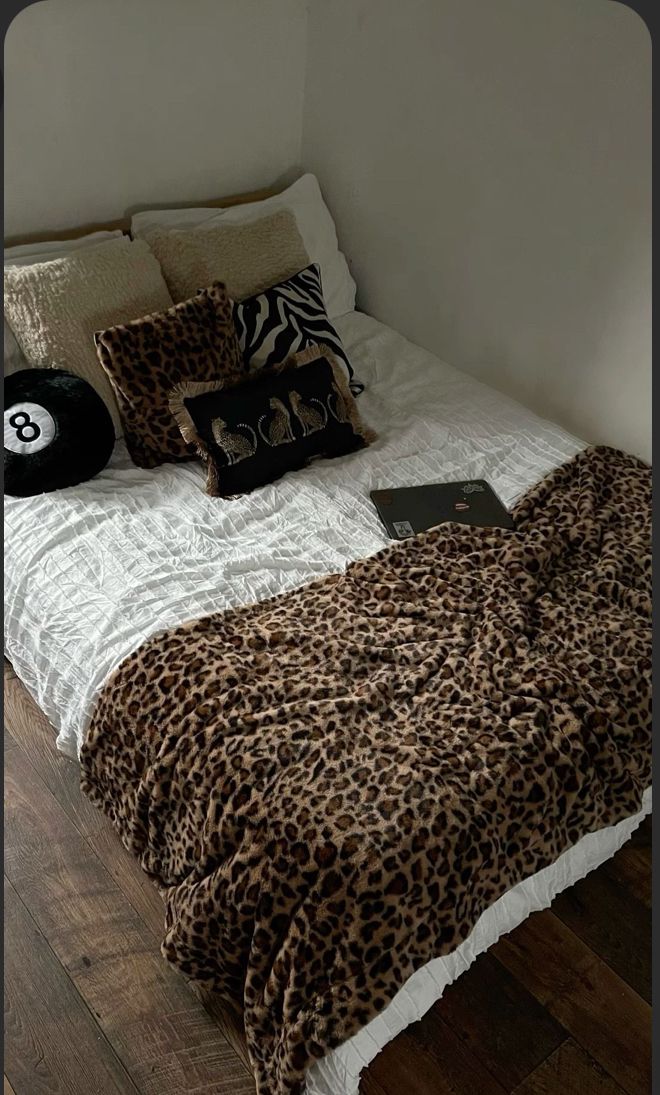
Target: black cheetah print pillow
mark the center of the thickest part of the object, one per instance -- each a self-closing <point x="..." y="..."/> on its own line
<point x="146" y="358"/>
<point x="282" y="418"/>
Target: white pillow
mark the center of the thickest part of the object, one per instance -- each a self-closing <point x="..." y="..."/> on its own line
<point x="315" y="225"/>
<point x="25" y="254"/>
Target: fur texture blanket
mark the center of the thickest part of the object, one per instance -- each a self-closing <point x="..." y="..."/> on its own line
<point x="330" y="787"/>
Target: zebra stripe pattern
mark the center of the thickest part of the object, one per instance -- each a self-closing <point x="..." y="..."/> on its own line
<point x="285" y="319"/>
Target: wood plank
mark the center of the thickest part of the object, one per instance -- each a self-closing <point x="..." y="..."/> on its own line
<point x="613" y="924"/>
<point x="544" y="955"/>
<point x="32" y="730"/>
<point x="229" y="1021"/>
<point x="500" y="1021"/>
<point x="124" y="223"/>
<point x="428" y="1059"/>
<point x="631" y="869"/>
<point x="155" y="1024"/>
<point x="643" y="834"/>
<point x="369" y="1086"/>
<point x="602" y="1013"/>
<point x="569" y="1071"/>
<point x="28" y="726"/>
<point x="52" y="1043"/>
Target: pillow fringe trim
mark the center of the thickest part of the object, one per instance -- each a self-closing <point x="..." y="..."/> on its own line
<point x="177" y="396"/>
<point x="188" y="389"/>
<point x="321" y="349"/>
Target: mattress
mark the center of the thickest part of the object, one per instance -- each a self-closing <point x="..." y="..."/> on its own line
<point x="94" y="570"/>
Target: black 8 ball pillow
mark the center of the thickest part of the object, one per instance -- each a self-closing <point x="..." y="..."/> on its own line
<point x="58" y="431"/>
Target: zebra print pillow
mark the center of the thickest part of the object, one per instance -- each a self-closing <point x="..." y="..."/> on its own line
<point x="287" y="318"/>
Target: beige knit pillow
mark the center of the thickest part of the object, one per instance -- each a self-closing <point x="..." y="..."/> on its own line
<point x="248" y="257"/>
<point x="55" y="307"/>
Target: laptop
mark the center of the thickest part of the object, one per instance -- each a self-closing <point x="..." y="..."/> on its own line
<point x="406" y="511"/>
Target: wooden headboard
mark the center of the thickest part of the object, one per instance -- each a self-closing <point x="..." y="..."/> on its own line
<point x="124" y="223"/>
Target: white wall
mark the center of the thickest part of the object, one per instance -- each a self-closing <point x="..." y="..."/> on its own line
<point x="113" y="103"/>
<point x="487" y="161"/>
<point x="488" y="164"/>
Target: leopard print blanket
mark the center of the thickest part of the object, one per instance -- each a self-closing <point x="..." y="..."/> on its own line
<point x="331" y="786"/>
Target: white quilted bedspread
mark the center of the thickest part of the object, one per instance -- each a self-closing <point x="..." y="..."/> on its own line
<point x="92" y="571"/>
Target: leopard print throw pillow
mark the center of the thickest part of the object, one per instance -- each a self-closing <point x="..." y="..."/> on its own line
<point x="144" y="359"/>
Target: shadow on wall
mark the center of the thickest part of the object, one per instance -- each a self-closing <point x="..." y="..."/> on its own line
<point x="113" y="105"/>
<point x="488" y="164"/>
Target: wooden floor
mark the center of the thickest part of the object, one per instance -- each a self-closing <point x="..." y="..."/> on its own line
<point x="559" y="1007"/>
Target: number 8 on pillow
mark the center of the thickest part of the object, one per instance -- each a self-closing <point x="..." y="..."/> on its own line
<point x="57" y="431"/>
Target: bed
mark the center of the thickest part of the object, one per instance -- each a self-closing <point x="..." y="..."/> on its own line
<point x="94" y="571"/>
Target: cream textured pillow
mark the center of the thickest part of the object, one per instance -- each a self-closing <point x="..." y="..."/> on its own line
<point x="248" y="258"/>
<point x="55" y="307"/>
<point x="26" y="254"/>
<point x="305" y="200"/>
